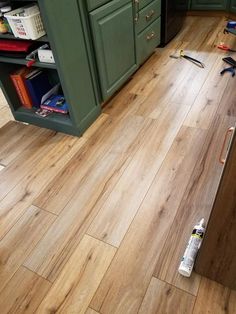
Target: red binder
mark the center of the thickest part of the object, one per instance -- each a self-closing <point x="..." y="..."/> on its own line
<point x="16" y="48"/>
<point x="18" y="79"/>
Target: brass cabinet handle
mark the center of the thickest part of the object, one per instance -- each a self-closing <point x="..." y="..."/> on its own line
<point x="150" y="15"/>
<point x="230" y="132"/>
<point x="151" y="36"/>
<point x="136" y="9"/>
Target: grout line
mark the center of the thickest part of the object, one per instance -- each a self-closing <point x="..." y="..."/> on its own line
<point x="30" y="270"/>
<point x="89" y="235"/>
<point x="178" y="288"/>
<point x="195" y="301"/>
<point x="144" y="295"/>
<point x="45" y="210"/>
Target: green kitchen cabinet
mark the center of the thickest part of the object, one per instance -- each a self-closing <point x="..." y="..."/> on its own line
<point x="147" y="29"/>
<point x="208" y="4"/>
<point x="114" y="42"/>
<point x="94" y="4"/>
<point x="73" y="69"/>
<point x="232" y="6"/>
<point x="148" y="40"/>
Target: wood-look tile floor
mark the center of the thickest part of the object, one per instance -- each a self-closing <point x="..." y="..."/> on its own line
<point x="98" y="224"/>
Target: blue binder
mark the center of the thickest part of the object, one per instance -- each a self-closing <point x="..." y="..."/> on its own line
<point x="38" y="85"/>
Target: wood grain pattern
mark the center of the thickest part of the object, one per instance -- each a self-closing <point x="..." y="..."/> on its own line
<point x="79" y="279"/>
<point x="25" y="162"/>
<point x="190" y="86"/>
<point x="228" y="104"/>
<point x="17" y="145"/>
<point x="58" y="244"/>
<point x="197" y="203"/>
<point x="96" y="127"/>
<point x="214" y="298"/>
<point x="24" y="292"/>
<point x="60" y="150"/>
<point x="5" y="116"/>
<point x="91" y="311"/>
<point x="205" y="106"/>
<point x="131" y="177"/>
<point x="113" y="221"/>
<point x="113" y="136"/>
<point x="165" y="79"/>
<point x="17" y="244"/>
<point x="166" y="299"/>
<point x="9" y="132"/>
<point x="135" y="260"/>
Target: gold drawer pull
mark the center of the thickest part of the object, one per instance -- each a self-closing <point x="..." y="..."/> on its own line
<point x="151" y="36"/>
<point x="230" y="132"/>
<point x="150" y="15"/>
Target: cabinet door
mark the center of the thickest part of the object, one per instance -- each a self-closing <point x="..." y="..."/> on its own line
<point x="114" y="43"/>
<point x="217" y="256"/>
<point x="209" y="4"/>
<point x="232" y="6"/>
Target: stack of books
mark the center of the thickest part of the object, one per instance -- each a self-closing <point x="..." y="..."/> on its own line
<point x="31" y="85"/>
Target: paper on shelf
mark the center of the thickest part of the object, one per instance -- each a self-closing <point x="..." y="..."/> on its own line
<point x="51" y="92"/>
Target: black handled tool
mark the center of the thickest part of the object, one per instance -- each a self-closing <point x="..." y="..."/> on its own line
<point x="231" y="69"/>
<point x="193" y="60"/>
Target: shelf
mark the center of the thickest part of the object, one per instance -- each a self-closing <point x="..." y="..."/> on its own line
<point x="231" y="30"/>
<point x="56" y="121"/>
<point x="79" y="85"/>
<point x="11" y="36"/>
<point x="54" y="117"/>
<point x="24" y="62"/>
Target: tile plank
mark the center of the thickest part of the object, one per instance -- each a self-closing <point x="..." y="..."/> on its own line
<point x="24" y="292"/>
<point x="164" y="298"/>
<point x="55" y="248"/>
<point x="60" y="150"/>
<point x="117" y="213"/>
<point x="228" y="105"/>
<point x="214" y="298"/>
<point x="112" y="137"/>
<point x="19" y="143"/>
<point x="206" y="104"/>
<point x="128" y="277"/>
<point x="5" y="116"/>
<point x="79" y="279"/>
<point x="91" y="311"/>
<point x="25" y="162"/>
<point x="20" y="240"/>
<point x="53" y="251"/>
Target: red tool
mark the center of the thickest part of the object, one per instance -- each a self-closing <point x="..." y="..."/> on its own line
<point x="222" y="46"/>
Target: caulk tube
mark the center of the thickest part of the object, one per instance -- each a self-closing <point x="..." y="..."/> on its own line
<point x="194" y="243"/>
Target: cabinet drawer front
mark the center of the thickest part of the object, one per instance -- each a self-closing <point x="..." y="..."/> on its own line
<point x="148" y="15"/>
<point x="143" y="3"/>
<point x="209" y="4"/>
<point x="93" y="4"/>
<point x="148" y="40"/>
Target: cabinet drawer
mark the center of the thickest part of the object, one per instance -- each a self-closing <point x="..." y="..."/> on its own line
<point x="209" y="4"/>
<point x="142" y="3"/>
<point x="94" y="4"/>
<point x="148" y="15"/>
<point x="148" y="40"/>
